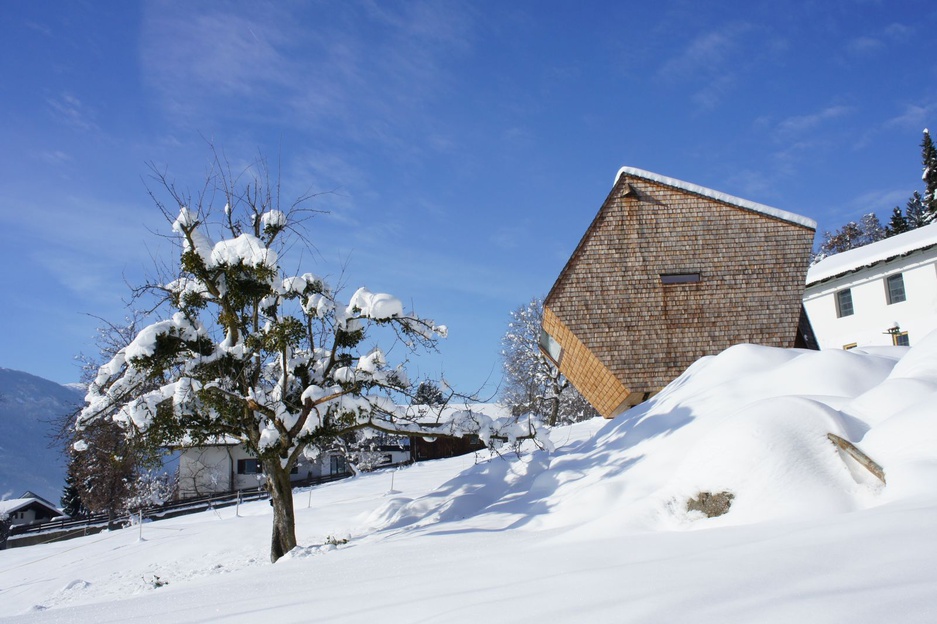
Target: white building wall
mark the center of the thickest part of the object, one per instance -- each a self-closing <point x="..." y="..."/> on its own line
<point x="205" y="470"/>
<point x="873" y="316"/>
<point x="215" y="469"/>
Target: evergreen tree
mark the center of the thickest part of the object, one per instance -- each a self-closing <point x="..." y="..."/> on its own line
<point x="71" y="496"/>
<point x="915" y="212"/>
<point x="929" y="176"/>
<point x="428" y="393"/>
<point x="898" y="224"/>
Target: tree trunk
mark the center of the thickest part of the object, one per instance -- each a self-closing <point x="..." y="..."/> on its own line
<point x="281" y="499"/>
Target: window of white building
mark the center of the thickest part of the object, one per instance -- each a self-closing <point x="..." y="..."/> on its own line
<point x="249" y="466"/>
<point x="844" y="303"/>
<point x="895" y="287"/>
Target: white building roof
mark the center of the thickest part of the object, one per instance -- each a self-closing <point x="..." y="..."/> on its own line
<point x="12" y="505"/>
<point x="861" y="257"/>
<point x="777" y="213"/>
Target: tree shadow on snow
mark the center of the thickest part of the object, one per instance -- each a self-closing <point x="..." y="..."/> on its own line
<point x="523" y="488"/>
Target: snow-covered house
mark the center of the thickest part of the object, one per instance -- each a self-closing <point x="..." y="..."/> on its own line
<point x="880" y="294"/>
<point x="225" y="466"/>
<point x="29" y="508"/>
<point x="666" y="273"/>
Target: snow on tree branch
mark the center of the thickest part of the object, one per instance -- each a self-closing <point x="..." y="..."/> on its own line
<point x="275" y="361"/>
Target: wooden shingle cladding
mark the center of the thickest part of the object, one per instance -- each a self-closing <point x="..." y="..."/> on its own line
<point x="734" y="275"/>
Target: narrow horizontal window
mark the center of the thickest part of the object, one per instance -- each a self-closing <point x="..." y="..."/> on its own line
<point x="249" y="466"/>
<point x="851" y="345"/>
<point x="550" y="346"/>
<point x="679" y="278"/>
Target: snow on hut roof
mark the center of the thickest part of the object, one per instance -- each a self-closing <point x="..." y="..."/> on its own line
<point x="718" y="196"/>
<point x="12" y="505"/>
<point x="861" y="257"/>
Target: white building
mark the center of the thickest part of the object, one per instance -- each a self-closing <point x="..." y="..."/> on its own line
<point x="29" y="509"/>
<point x="226" y="466"/>
<point x="880" y="294"/>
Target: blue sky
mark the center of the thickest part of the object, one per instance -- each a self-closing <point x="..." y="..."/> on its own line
<point x="466" y="146"/>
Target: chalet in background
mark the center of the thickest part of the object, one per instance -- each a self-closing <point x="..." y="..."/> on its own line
<point x="29" y="508"/>
<point x="666" y="273"/>
<point x="881" y="294"/>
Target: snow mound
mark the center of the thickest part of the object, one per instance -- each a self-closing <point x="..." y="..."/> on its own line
<point x="807" y="531"/>
<point x="752" y="421"/>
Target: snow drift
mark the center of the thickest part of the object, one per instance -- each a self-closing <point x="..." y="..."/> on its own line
<point x="598" y="530"/>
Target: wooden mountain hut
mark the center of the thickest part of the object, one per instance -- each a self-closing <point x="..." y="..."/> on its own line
<point x="666" y="273"/>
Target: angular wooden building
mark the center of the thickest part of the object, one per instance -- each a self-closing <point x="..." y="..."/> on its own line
<point x="666" y="273"/>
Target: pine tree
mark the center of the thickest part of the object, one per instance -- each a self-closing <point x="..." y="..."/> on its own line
<point x="898" y="224"/>
<point x="915" y="213"/>
<point x="71" y="496"/>
<point x="929" y="176"/>
<point x="428" y="393"/>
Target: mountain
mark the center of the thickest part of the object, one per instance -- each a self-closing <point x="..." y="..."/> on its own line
<point x="28" y="407"/>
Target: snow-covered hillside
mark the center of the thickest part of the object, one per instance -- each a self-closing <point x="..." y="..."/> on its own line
<point x="598" y="531"/>
<point x="28" y="405"/>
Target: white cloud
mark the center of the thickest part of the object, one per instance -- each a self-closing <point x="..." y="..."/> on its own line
<point x="716" y="60"/>
<point x="864" y="46"/>
<point x="707" y="53"/>
<point x="89" y="245"/>
<point x="899" y="32"/>
<point x="69" y="110"/>
<point x="880" y="200"/>
<point x="362" y="70"/>
<point x="53" y="157"/>
<point x="804" y="123"/>
<point x="914" y="116"/>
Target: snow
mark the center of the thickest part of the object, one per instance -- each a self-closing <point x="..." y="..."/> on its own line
<point x="596" y="531"/>
<point x="377" y="306"/>
<point x="246" y="249"/>
<point x="868" y="255"/>
<point x="718" y="196"/>
<point x="273" y="219"/>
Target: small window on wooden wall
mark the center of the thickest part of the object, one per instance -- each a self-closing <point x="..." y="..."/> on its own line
<point x="550" y="346"/>
<point x="851" y="345"/>
<point x="679" y="278"/>
<point x="900" y="339"/>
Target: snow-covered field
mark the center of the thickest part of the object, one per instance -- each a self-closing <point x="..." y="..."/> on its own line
<point x="598" y="531"/>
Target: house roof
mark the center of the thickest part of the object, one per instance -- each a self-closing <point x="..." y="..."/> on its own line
<point x="13" y="505"/>
<point x="777" y="213"/>
<point x="868" y="255"/>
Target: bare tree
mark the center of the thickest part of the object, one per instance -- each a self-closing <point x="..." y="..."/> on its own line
<point x="532" y="382"/>
<point x="107" y="471"/>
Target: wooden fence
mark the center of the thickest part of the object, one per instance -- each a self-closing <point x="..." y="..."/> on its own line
<point x="68" y="528"/>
